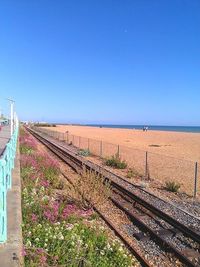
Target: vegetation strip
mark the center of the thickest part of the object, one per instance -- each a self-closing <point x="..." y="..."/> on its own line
<point x="77" y="161"/>
<point x="120" y="234"/>
<point x="170" y="221"/>
<point x="55" y="230"/>
<point x="73" y="163"/>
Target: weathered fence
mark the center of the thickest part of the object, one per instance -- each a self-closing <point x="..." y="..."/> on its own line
<point x="6" y="166"/>
<point x="157" y="166"/>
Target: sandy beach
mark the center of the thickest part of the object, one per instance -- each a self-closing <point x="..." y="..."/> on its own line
<point x="171" y="155"/>
<point x="176" y="144"/>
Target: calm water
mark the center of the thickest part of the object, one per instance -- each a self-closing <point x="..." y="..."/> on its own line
<point x="189" y="129"/>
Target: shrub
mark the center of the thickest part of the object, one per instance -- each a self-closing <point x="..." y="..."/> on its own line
<point x="89" y="189"/>
<point x="116" y="162"/>
<point x="172" y="186"/>
<point x="26" y="150"/>
<point x="84" y="152"/>
<point x="27" y="143"/>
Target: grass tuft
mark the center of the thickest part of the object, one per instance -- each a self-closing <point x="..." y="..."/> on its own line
<point x="84" y="152"/>
<point x="172" y="186"/>
<point x="89" y="190"/>
<point x="116" y="162"/>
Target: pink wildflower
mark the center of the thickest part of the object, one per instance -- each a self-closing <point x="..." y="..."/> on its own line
<point x="23" y="252"/>
<point x="40" y="250"/>
<point x="44" y="183"/>
<point x="34" y="217"/>
<point x="43" y="259"/>
<point x="86" y="213"/>
<point x="69" y="210"/>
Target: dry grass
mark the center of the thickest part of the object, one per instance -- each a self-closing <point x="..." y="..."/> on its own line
<point x="89" y="190"/>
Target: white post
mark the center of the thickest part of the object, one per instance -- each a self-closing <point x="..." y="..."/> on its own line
<point x="15" y="120"/>
<point x="11" y="116"/>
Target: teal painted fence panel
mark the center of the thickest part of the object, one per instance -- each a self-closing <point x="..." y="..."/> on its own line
<point x="7" y="161"/>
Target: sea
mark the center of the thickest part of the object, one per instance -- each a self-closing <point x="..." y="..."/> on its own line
<point x="188" y="129"/>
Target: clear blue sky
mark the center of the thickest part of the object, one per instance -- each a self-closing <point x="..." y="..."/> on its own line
<point x="103" y="61"/>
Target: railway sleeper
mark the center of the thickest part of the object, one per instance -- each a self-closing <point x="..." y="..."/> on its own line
<point x="191" y="253"/>
<point x="163" y="233"/>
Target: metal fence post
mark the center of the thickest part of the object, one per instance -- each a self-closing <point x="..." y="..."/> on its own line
<point x="88" y="144"/>
<point x="101" y="149"/>
<point x="79" y="142"/>
<point x="67" y="138"/>
<point x="118" y="150"/>
<point x="195" y="179"/>
<point x="146" y="164"/>
<point x="73" y="139"/>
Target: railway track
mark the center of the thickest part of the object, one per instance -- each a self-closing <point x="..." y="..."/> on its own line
<point x="152" y="223"/>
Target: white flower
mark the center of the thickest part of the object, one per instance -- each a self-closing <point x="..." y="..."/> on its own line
<point x="34" y="191"/>
<point x="45" y="198"/>
<point x="28" y="243"/>
<point x="37" y="239"/>
<point x="108" y="246"/>
<point x="60" y="236"/>
<point x="70" y="227"/>
<point x="45" y="245"/>
<point x="120" y="249"/>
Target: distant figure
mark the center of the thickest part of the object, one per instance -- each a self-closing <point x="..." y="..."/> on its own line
<point x="145" y="129"/>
